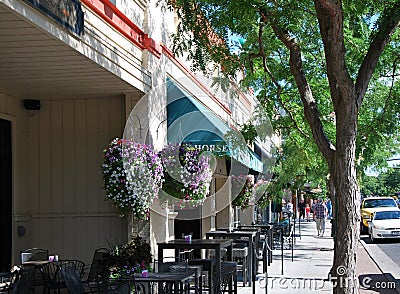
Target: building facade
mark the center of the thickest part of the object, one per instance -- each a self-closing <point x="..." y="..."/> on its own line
<point x="75" y="75"/>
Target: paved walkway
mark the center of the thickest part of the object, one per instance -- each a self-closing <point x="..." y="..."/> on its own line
<point x="312" y="261"/>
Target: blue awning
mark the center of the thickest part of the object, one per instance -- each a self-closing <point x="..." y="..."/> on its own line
<point x="189" y="121"/>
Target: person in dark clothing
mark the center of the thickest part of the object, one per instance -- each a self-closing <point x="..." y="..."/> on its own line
<point x="320" y="213"/>
<point x="302" y="209"/>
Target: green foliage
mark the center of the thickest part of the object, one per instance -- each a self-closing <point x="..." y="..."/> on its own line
<point x="249" y="132"/>
<point x="242" y="190"/>
<point x="261" y="196"/>
<point x="245" y="39"/>
<point x="132" y="257"/>
<point x="298" y="162"/>
<point x="386" y="184"/>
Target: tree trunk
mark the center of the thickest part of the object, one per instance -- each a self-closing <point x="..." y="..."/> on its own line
<point x="346" y="213"/>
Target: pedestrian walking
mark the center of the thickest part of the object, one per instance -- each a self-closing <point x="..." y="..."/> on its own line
<point x="328" y="204"/>
<point x="302" y="209"/>
<point x="313" y="203"/>
<point x="320" y="213"/>
<point x="285" y="215"/>
<point x="308" y="212"/>
<point x="289" y="207"/>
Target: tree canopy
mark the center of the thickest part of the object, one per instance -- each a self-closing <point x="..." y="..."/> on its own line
<point x="386" y="184"/>
<point x="248" y="44"/>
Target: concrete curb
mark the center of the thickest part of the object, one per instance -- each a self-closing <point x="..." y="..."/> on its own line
<point x="387" y="271"/>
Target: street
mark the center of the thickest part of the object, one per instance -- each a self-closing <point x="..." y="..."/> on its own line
<point x="386" y="255"/>
<point x="390" y="247"/>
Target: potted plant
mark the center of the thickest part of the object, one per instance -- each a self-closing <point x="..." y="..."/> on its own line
<point x="130" y="258"/>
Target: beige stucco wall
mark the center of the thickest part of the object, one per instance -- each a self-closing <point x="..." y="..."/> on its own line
<point x="57" y="191"/>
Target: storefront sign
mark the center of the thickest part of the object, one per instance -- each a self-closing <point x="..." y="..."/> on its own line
<point x="68" y="13"/>
<point x="213" y="148"/>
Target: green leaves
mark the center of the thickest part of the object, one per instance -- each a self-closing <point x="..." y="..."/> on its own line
<point x="387" y="184"/>
<point x="266" y="62"/>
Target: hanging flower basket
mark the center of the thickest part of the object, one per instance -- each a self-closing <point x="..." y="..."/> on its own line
<point x="242" y="191"/>
<point x="132" y="176"/>
<point x="187" y="175"/>
<point x="260" y="193"/>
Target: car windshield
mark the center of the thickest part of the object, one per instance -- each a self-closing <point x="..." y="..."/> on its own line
<point x="372" y="203"/>
<point x="380" y="215"/>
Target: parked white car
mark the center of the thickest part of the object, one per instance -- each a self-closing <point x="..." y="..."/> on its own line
<point x="385" y="224"/>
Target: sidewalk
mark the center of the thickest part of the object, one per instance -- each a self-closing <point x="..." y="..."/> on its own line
<point x="312" y="261"/>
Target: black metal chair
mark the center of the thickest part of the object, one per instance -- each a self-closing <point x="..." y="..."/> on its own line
<point x="128" y="286"/>
<point x="283" y="235"/>
<point x="99" y="271"/>
<point x="24" y="281"/>
<point x="52" y="277"/>
<point x="227" y="282"/>
<point x="196" y="270"/>
<point x="189" y="266"/>
<point x="240" y="253"/>
<point x="287" y="236"/>
<point x="260" y="254"/>
<point x="208" y="265"/>
<point x="72" y="278"/>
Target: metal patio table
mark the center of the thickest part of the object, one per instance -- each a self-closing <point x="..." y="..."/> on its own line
<point x="209" y="244"/>
<point x="175" y="283"/>
<point x="237" y="236"/>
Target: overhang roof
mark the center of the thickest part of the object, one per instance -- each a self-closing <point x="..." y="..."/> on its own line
<point x="36" y="64"/>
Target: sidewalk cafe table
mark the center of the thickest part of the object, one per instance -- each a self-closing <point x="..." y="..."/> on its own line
<point x="174" y="282"/>
<point x="216" y="245"/>
<point x="236" y="235"/>
<point x="38" y="265"/>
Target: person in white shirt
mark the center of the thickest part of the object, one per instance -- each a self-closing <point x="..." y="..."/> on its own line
<point x="289" y="207"/>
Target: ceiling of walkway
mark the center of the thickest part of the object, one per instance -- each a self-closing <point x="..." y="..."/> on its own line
<point x="35" y="65"/>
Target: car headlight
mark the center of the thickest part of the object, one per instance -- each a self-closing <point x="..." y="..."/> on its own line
<point x="379" y="227"/>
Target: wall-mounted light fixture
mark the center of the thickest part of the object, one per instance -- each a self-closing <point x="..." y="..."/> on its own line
<point x="31" y="104"/>
<point x="21" y="231"/>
